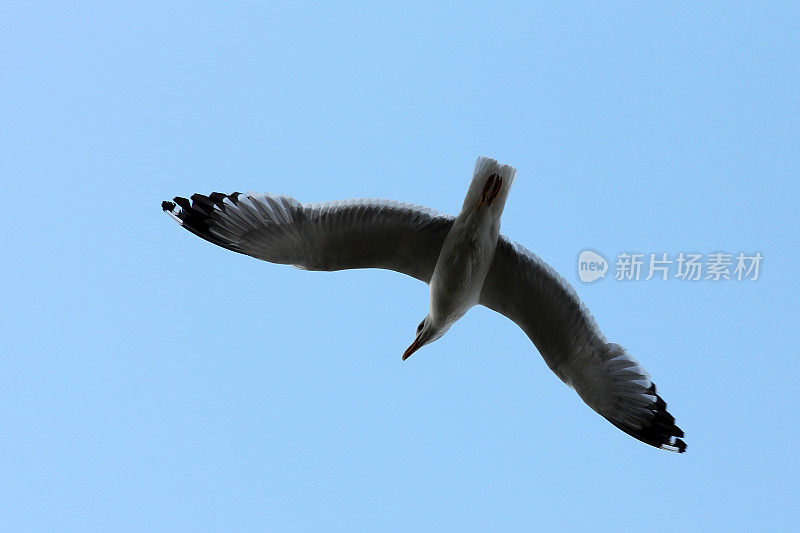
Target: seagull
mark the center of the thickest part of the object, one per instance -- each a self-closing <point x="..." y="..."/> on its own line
<point x="465" y="261"/>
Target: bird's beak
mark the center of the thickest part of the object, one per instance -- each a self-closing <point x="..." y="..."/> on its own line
<point x="416" y="345"/>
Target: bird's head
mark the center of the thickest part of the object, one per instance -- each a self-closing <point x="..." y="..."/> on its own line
<point x="427" y="332"/>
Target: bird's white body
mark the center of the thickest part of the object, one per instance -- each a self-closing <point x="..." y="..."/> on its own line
<point x="468" y="249"/>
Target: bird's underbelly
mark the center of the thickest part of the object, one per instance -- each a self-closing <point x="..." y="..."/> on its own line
<point x="459" y="275"/>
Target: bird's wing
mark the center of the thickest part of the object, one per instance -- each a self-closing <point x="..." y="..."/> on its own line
<point x="528" y="291"/>
<point x="325" y="236"/>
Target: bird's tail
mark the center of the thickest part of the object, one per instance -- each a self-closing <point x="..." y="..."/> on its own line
<point x="491" y="183"/>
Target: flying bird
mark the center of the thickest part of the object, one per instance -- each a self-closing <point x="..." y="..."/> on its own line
<point x="465" y="261"/>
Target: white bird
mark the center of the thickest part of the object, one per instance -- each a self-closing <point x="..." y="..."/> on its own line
<point x="465" y="261"/>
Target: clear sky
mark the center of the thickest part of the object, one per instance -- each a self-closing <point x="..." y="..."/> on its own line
<point x="152" y="381"/>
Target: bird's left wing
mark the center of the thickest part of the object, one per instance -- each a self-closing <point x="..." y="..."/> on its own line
<point x="326" y="236"/>
<point x="528" y="291"/>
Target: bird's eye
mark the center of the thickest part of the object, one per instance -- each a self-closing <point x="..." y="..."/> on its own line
<point x="419" y="328"/>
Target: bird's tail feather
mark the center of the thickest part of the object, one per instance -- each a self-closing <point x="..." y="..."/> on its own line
<point x="487" y="170"/>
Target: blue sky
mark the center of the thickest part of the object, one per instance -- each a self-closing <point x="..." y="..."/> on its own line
<point x="152" y="381"/>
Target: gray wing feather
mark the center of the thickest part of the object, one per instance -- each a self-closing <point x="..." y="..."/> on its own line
<point x="528" y="291"/>
<point x="324" y="236"/>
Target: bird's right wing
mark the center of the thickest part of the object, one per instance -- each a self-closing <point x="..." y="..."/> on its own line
<point x="326" y="236"/>
<point x="528" y="291"/>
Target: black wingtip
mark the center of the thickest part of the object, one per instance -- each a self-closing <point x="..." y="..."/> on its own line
<point x="660" y="430"/>
<point x="199" y="214"/>
<point x="183" y="202"/>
